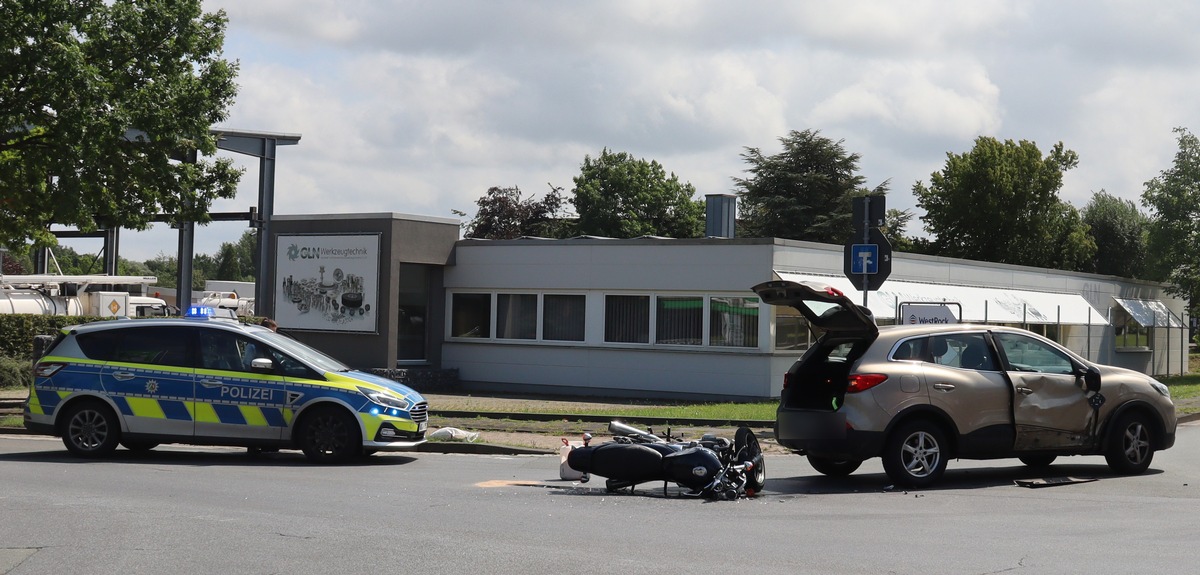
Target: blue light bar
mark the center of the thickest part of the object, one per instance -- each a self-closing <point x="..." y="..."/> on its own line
<point x="200" y="312"/>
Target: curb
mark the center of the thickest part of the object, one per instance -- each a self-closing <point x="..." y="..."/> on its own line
<point x="755" y="423"/>
<point x="427" y="447"/>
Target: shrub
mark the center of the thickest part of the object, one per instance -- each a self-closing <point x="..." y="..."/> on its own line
<point x="15" y="372"/>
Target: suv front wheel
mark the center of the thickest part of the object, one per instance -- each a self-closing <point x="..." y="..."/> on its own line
<point x="1131" y="447"/>
<point x="329" y="435"/>
<point x="915" y="454"/>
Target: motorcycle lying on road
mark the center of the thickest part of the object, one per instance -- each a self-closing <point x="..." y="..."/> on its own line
<point x="713" y="467"/>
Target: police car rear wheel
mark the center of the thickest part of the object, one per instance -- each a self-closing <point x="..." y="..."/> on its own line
<point x="329" y="435"/>
<point x="90" y="429"/>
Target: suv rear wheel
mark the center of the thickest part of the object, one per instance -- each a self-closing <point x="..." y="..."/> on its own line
<point x="1038" y="459"/>
<point x="915" y="454"/>
<point x="90" y="429"/>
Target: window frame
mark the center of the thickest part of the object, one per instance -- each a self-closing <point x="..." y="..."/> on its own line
<point x="1127" y="324"/>
<point x="494" y="328"/>
<point x="594" y="306"/>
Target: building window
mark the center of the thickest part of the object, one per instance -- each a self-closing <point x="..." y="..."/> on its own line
<point x="679" y="320"/>
<point x="471" y="315"/>
<point x="733" y="321"/>
<point x="1129" y="332"/>
<point x="563" y="317"/>
<point x="791" y="329"/>
<point x="627" y="319"/>
<point x="516" y="316"/>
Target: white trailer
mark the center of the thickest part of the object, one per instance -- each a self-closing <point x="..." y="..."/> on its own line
<point x="99" y="295"/>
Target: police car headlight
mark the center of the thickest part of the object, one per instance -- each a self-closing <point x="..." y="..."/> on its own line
<point x="385" y="399"/>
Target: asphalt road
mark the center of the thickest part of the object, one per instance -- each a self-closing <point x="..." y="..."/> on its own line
<point x="198" y="510"/>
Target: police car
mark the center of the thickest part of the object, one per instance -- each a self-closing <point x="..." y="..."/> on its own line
<point x="205" y="381"/>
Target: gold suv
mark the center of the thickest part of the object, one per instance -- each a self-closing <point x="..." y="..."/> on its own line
<point x="920" y="395"/>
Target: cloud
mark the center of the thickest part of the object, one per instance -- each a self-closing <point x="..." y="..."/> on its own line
<point x="419" y="107"/>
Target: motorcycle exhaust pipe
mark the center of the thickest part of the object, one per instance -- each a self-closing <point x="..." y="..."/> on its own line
<point x="618" y="428"/>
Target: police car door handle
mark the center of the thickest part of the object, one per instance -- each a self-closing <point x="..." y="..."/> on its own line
<point x="943" y="387"/>
<point x="210" y="383"/>
<point x="123" y="375"/>
<point x="1024" y="390"/>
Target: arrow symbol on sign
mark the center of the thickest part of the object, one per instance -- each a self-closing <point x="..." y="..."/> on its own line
<point x="866" y="260"/>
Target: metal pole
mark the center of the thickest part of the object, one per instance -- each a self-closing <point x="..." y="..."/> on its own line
<point x="866" y="238"/>
<point x="1183" y="355"/>
<point x="1089" y="334"/>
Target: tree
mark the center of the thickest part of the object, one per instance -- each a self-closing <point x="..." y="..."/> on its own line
<point x="895" y="222"/>
<point x="164" y="267"/>
<point x="620" y="197"/>
<point x="504" y="215"/>
<point x="98" y="100"/>
<point x="1119" y="230"/>
<point x="1174" y="200"/>
<point x="805" y="192"/>
<point x="999" y="203"/>
<point x="235" y="262"/>
<point x="14" y="264"/>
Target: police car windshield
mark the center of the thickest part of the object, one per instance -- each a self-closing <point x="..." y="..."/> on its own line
<point x="301" y="351"/>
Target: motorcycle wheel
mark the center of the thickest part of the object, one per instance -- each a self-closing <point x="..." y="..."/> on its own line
<point x="746" y="447"/>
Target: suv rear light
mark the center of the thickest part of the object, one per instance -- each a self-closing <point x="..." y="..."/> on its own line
<point x="864" y="381"/>
<point x="787" y="380"/>
<point x="47" y="369"/>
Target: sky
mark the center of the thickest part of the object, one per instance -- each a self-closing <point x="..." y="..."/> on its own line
<point x="420" y="107"/>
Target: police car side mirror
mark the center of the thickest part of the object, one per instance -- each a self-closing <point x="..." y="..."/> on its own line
<point x="262" y="364"/>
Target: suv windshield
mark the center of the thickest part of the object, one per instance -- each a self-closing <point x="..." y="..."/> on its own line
<point x="301" y="351"/>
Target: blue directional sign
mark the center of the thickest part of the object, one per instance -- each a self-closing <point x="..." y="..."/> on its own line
<point x="869" y="263"/>
<point x="864" y="259"/>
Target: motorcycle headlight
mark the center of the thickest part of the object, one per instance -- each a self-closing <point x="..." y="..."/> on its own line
<point x="385" y="399"/>
<point x="1160" y="388"/>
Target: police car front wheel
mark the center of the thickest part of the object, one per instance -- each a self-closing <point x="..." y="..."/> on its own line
<point x="90" y="429"/>
<point x="330" y="434"/>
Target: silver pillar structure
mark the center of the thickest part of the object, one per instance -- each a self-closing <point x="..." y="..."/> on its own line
<point x="261" y="145"/>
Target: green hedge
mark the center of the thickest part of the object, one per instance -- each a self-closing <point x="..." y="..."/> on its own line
<point x="16" y="341"/>
<point x="17" y="331"/>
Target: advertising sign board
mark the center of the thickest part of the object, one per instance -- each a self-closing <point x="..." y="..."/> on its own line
<point x="327" y="282"/>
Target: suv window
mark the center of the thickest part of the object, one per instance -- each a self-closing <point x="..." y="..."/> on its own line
<point x="964" y="350"/>
<point x="912" y="350"/>
<point x="98" y="345"/>
<point x="841" y="352"/>
<point x="1028" y="354"/>
<point x="219" y="349"/>
<point x="153" y="345"/>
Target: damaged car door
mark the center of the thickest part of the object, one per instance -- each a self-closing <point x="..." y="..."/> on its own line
<point x="1050" y="406"/>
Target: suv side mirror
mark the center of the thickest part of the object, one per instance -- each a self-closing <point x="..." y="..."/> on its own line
<point x="262" y="364"/>
<point x="1091" y="378"/>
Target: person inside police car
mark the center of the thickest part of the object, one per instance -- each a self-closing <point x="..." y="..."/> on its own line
<point x="255" y="350"/>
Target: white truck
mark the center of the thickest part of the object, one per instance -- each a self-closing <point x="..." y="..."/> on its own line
<point x="96" y="295"/>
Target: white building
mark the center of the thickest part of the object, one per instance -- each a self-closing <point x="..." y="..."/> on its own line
<point x="663" y="317"/>
<point x="651" y="316"/>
